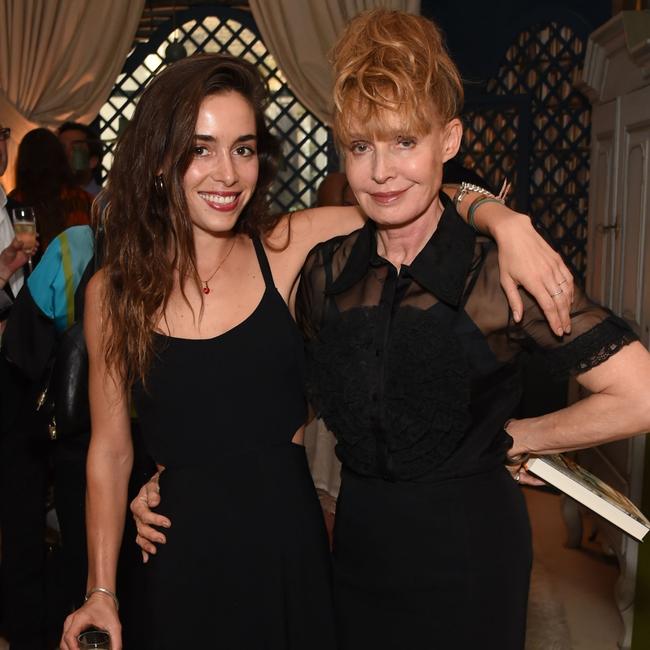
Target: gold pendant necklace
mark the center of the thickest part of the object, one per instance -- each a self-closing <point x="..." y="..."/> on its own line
<point x="206" y="288"/>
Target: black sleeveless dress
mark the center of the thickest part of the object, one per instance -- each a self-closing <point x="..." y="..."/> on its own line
<point x="246" y="564"/>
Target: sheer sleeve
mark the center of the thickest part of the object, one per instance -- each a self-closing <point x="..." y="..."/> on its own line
<point x="310" y="298"/>
<point x="596" y="335"/>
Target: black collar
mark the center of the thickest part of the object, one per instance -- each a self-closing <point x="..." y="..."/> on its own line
<point x="441" y="267"/>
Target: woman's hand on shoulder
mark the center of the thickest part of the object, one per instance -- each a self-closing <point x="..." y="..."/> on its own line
<point x="526" y="260"/>
<point x="98" y="611"/>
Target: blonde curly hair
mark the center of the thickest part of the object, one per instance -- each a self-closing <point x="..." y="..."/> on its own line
<point x="387" y="61"/>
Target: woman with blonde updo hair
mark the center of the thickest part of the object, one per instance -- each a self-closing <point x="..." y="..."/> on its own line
<point x="413" y="362"/>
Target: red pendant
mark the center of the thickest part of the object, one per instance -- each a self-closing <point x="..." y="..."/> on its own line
<point x="206" y="289"/>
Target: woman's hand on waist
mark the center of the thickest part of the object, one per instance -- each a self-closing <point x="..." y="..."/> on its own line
<point x="145" y="519"/>
<point x="517" y="456"/>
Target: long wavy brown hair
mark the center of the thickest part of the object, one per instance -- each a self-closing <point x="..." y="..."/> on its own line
<point x="147" y="228"/>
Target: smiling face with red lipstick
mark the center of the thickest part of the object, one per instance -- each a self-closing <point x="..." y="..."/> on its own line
<point x="222" y="174"/>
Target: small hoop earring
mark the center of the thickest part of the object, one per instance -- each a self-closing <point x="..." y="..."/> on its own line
<point x="159" y="184"/>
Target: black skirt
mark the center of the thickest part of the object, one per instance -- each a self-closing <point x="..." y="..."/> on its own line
<point x="432" y="565"/>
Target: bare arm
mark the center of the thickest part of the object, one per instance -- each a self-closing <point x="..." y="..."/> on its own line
<point x="110" y="458"/>
<point x="618" y="407"/>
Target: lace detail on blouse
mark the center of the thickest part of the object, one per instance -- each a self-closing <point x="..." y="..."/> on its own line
<point x="423" y="397"/>
<point x="591" y="348"/>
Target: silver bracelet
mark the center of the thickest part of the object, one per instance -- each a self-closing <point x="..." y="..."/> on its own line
<point x="106" y="592"/>
<point x="465" y="188"/>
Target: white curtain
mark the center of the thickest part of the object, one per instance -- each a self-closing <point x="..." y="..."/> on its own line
<point x="59" y="60"/>
<point x="300" y="34"/>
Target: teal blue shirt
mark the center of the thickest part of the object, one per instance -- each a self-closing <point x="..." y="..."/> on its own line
<point x="56" y="277"/>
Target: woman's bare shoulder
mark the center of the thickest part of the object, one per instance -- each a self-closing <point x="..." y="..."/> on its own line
<point x="304" y="229"/>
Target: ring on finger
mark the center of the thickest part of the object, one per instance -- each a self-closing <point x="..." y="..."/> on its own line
<point x="557" y="293"/>
<point x="563" y="282"/>
<point x="517" y="476"/>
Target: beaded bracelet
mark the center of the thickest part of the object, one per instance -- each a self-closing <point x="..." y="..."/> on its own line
<point x="479" y="200"/>
<point x="106" y="592"/>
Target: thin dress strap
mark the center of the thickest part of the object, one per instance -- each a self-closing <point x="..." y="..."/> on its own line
<point x="263" y="262"/>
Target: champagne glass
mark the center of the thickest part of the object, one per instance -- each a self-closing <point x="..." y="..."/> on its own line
<point x="97" y="639"/>
<point x="24" y="220"/>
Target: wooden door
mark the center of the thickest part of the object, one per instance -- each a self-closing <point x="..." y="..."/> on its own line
<point x="618" y="277"/>
<point x="602" y="221"/>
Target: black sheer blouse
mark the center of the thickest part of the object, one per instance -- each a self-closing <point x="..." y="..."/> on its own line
<point x="416" y="372"/>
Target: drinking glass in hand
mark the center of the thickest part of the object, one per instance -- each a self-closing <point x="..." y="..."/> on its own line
<point x="94" y="639"/>
<point x="24" y="220"/>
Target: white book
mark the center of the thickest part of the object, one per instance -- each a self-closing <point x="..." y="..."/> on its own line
<point x="584" y="487"/>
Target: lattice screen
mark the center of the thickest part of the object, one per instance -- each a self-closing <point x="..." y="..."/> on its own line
<point x="545" y="62"/>
<point x="303" y="136"/>
<point x="495" y="142"/>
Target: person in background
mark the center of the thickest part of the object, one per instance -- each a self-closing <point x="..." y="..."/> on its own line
<point x="335" y="190"/>
<point x="13" y="279"/>
<point x="83" y="148"/>
<point x="50" y="303"/>
<point x="31" y="608"/>
<point x="45" y="182"/>
<point x="7" y="235"/>
<point x="12" y="259"/>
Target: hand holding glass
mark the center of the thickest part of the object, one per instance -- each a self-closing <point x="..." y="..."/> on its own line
<point x="24" y="220"/>
<point x="94" y="639"/>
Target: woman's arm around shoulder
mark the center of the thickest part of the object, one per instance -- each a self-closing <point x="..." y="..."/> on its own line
<point x="110" y="458"/>
<point x="290" y="241"/>
<point x="525" y="258"/>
